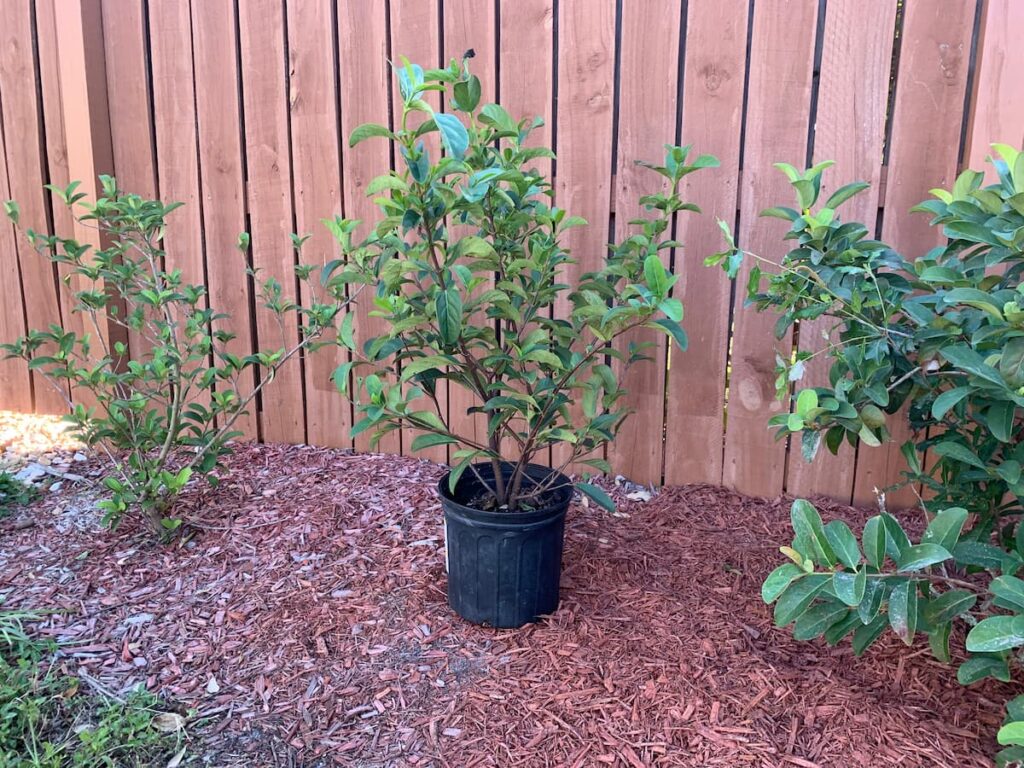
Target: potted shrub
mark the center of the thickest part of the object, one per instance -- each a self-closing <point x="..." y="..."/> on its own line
<point x="470" y="277"/>
<point x="937" y="342"/>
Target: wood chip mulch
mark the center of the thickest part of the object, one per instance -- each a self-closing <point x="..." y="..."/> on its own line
<point x="306" y="620"/>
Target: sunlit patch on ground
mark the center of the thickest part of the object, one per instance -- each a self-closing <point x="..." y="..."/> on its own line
<point x="26" y="437"/>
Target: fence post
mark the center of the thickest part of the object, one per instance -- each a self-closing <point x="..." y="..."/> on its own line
<point x="83" y="95"/>
<point x="997" y="114"/>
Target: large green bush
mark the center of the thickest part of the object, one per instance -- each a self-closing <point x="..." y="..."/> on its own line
<point x="937" y="341"/>
<point x="472" y="282"/>
<point x="167" y="409"/>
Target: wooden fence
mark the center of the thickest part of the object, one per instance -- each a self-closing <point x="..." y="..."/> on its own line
<point x="240" y="109"/>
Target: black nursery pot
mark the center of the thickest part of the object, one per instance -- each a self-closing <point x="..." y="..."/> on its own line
<point x="503" y="567"/>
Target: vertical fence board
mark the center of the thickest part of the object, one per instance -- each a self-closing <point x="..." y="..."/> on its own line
<point x="317" y="194"/>
<point x="175" y="126"/>
<point x="55" y="130"/>
<point x="850" y="129"/>
<point x="15" y="380"/>
<point x="58" y="173"/>
<point x="215" y="49"/>
<point x="365" y="80"/>
<point x="926" y="123"/>
<point x="526" y="80"/>
<point x="526" y="86"/>
<point x="781" y="61"/>
<point x="177" y="158"/>
<point x="268" y="186"/>
<point x="586" y="76"/>
<point x="77" y="34"/>
<point x="415" y="34"/>
<point x="471" y="25"/>
<point x="131" y="117"/>
<point x="26" y="169"/>
<point x="997" y="113"/>
<point x="648" y="91"/>
<point x="714" y="67"/>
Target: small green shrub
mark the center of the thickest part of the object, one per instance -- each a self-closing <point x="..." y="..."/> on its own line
<point x="939" y="342"/>
<point x="165" y="411"/>
<point x="470" y="277"/>
<point x="14" y="493"/>
<point x="48" y="721"/>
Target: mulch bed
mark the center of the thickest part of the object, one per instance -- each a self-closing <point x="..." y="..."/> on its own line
<point x="306" y="618"/>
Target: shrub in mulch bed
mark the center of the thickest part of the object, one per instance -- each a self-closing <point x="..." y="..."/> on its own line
<point x="306" y="615"/>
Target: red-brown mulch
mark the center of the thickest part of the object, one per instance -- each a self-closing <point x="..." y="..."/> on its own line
<point x="307" y="619"/>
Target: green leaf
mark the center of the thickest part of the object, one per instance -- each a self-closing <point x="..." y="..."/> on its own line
<point x="386" y="181"/>
<point x="807" y="526"/>
<point x="968" y="230"/>
<point x="597" y="494"/>
<point x="368" y="130"/>
<point x="842" y="628"/>
<point x="1015" y="708"/>
<point x="1000" y="417"/>
<point x="978" y="553"/>
<point x="431" y="439"/>
<point x="1010" y="471"/>
<point x="1011" y="362"/>
<point x="945" y="528"/>
<point x="1010" y="591"/>
<point x="844" y="193"/>
<point x="449" y="315"/>
<point x="850" y="587"/>
<point x="949" y="605"/>
<point x="980" y="667"/>
<point x="947" y="400"/>
<point x="919" y="556"/>
<point x="346" y="333"/>
<point x="966" y="359"/>
<point x="655" y="275"/>
<point x="938" y="639"/>
<point x="795" y="600"/>
<point x="843" y="543"/>
<point x="810" y="441"/>
<point x="496" y="117"/>
<point x="806" y="401"/>
<point x="780" y="212"/>
<point x="672" y="309"/>
<point x="779" y="580"/>
<point x="874" y="594"/>
<point x="791" y="173"/>
<point x="958" y="452"/>
<point x="674" y="330"/>
<point x="1011" y="733"/>
<point x="467" y="93"/>
<point x="896" y="540"/>
<point x="12" y="211"/>
<point x="972" y="297"/>
<point x="453" y="134"/>
<point x="903" y="611"/>
<point x="868" y="633"/>
<point x="868" y="437"/>
<point x="872" y="416"/>
<point x="819" y="618"/>
<point x="340" y="377"/>
<point x="874" y="541"/>
<point x="996" y="633"/>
